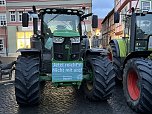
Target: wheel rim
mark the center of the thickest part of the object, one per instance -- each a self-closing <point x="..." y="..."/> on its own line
<point x="132" y="84"/>
<point x="110" y="56"/>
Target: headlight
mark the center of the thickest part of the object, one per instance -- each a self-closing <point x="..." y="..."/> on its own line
<point x="58" y="40"/>
<point x="75" y="40"/>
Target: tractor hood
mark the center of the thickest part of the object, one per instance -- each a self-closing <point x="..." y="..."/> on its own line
<point x="66" y="33"/>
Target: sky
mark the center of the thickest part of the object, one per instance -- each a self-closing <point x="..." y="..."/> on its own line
<point x="102" y="7"/>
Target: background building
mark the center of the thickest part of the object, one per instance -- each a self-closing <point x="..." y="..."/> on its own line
<point x="18" y="36"/>
<point x="113" y="31"/>
<point x="95" y="37"/>
<point x="3" y="28"/>
<point x="124" y="7"/>
<point x="108" y="28"/>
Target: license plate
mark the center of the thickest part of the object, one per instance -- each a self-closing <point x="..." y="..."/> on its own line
<point x="67" y="71"/>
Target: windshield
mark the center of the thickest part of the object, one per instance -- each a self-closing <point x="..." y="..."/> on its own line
<point x="55" y="22"/>
<point x="144" y="26"/>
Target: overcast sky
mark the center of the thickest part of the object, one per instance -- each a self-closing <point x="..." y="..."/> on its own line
<point x="102" y="7"/>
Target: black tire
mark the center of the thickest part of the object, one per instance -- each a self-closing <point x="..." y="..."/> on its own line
<point x="116" y="62"/>
<point x="27" y="81"/>
<point x="137" y="84"/>
<point x="103" y="81"/>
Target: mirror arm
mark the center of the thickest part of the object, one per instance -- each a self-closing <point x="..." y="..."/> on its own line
<point x="87" y="15"/>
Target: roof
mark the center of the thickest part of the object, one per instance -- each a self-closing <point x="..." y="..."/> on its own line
<point x="99" y="23"/>
<point x="108" y="15"/>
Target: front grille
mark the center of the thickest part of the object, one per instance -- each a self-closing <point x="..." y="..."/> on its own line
<point x="63" y="54"/>
<point x="75" y="51"/>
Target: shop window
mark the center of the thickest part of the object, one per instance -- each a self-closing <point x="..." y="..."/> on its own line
<point x="20" y="35"/>
<point x="28" y="34"/>
<point x="12" y="16"/>
<point x="2" y="19"/>
<point x="146" y="5"/>
<point x="23" y="39"/>
<point x="1" y="45"/>
<point x="2" y="3"/>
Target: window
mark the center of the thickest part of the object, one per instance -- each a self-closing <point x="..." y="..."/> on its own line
<point x="23" y="39"/>
<point x="2" y="2"/>
<point x="1" y="45"/>
<point x="12" y="16"/>
<point x="2" y="19"/>
<point x="146" y="5"/>
<point x="30" y="18"/>
<point x="20" y="16"/>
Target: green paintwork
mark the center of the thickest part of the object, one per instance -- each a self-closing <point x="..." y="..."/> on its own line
<point x="45" y="78"/>
<point x="56" y="84"/>
<point x="122" y="47"/>
<point x="66" y="33"/>
<point x="88" y="76"/>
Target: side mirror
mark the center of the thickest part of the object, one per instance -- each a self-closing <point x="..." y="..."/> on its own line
<point x="94" y="21"/>
<point x="25" y="19"/>
<point x="116" y="17"/>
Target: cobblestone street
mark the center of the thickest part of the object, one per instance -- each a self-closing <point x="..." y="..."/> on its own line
<point x="62" y="101"/>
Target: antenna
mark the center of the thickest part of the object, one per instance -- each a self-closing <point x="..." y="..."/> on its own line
<point x="133" y="9"/>
<point x="34" y="9"/>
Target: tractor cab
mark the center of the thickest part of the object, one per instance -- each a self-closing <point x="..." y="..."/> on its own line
<point x="138" y="27"/>
<point x="62" y="31"/>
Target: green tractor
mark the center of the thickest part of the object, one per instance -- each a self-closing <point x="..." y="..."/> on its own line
<point x="132" y="58"/>
<point x="60" y="54"/>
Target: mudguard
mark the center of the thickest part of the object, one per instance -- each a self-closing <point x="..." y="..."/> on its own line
<point x="137" y="54"/>
<point x="117" y="46"/>
<point x="26" y="50"/>
<point x="97" y="51"/>
<point x="121" y="47"/>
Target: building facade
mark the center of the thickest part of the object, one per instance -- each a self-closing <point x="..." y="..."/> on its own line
<point x="124" y="7"/>
<point x="108" y="28"/>
<point x="3" y="28"/>
<point x="113" y="31"/>
<point x="18" y="36"/>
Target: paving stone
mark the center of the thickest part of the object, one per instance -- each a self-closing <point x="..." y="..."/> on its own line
<point x="63" y="101"/>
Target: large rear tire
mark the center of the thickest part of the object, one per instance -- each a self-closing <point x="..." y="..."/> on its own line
<point x="102" y="79"/>
<point x="137" y="84"/>
<point x="27" y="80"/>
<point x="116" y="61"/>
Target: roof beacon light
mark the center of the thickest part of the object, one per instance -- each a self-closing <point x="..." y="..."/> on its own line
<point x="54" y="10"/>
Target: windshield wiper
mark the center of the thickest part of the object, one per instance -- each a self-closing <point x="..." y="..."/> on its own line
<point x="53" y="18"/>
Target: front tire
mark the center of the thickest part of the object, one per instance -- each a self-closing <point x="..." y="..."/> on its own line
<point x="137" y="84"/>
<point x="27" y="80"/>
<point x="116" y="61"/>
<point x="102" y="79"/>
